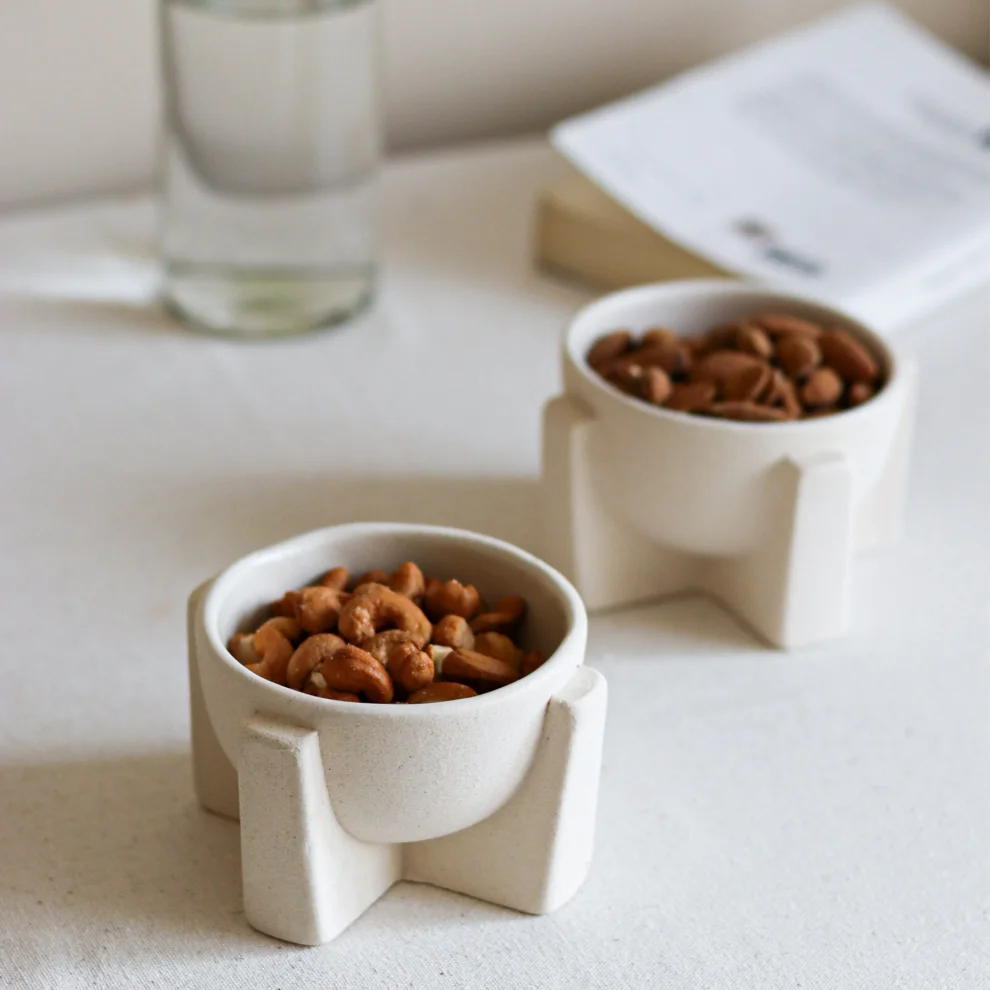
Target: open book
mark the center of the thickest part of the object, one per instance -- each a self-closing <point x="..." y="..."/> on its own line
<point x="848" y="161"/>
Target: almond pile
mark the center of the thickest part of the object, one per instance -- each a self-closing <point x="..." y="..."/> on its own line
<point x="770" y="367"/>
<point x="397" y="638"/>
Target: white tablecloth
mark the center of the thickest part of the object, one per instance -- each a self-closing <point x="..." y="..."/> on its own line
<point x="814" y="820"/>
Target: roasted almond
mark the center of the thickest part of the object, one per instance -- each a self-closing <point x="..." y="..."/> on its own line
<point x="750" y="411"/>
<point x="798" y="354"/>
<point x="691" y="396"/>
<point x="841" y="351"/>
<point x="859" y="392"/>
<point x="674" y="358"/>
<point x="655" y="386"/>
<point x="606" y="349"/>
<point x="772" y="359"/>
<point x="823" y="388"/>
<point x="747" y="383"/>
<point x="781" y="392"/>
<point x="753" y="340"/>
<point x="788" y="400"/>
<point x="720" y="365"/>
<point x="625" y="374"/>
<point x="775" y="323"/>
<point x="659" y="335"/>
<point x="720" y="337"/>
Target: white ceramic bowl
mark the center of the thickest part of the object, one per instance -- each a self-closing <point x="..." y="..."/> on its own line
<point x="704" y="485"/>
<point x="399" y="773"/>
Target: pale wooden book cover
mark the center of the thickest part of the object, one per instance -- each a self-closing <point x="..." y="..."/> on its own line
<point x="583" y="233"/>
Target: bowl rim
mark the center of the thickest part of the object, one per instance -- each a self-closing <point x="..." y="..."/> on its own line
<point x="574" y="611"/>
<point x="789" y="302"/>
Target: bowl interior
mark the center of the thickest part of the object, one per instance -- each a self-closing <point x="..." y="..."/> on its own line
<point x="239" y="598"/>
<point x="690" y="308"/>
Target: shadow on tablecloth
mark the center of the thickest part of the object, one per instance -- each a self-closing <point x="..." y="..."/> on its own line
<point x="230" y="517"/>
<point x="96" y="853"/>
<point x="209" y="522"/>
<point x="100" y="845"/>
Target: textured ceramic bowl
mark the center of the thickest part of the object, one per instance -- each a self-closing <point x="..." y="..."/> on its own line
<point x="399" y="773"/>
<point x="704" y="485"/>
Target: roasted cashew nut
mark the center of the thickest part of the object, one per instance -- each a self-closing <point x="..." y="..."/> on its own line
<point x="504" y="617"/>
<point x="375" y="607"/>
<point x="467" y="665"/>
<point x="451" y="598"/>
<point x="336" y="578"/>
<point x="318" y="608"/>
<point x="286" y="605"/>
<point x="532" y="661"/>
<point x="499" y="646"/>
<point x="380" y="644"/>
<point x="454" y="630"/>
<point x="375" y="576"/>
<point x="309" y="656"/>
<point x="242" y="648"/>
<point x="407" y="579"/>
<point x="377" y="643"/>
<point x="351" y="669"/>
<point x="438" y="654"/>
<point x="441" y="691"/>
<point x="409" y="667"/>
<point x="287" y="626"/>
<point x="266" y="652"/>
<point x="317" y="687"/>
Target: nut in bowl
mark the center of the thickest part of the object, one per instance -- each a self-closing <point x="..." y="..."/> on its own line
<point x="340" y="791"/>
<point x="750" y="466"/>
<point x="768" y="367"/>
<point x="377" y="643"/>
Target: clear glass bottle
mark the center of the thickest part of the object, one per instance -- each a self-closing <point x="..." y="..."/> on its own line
<point x="271" y="151"/>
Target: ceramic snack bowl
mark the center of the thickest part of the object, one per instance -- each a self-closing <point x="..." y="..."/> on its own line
<point x="419" y="791"/>
<point x="673" y="500"/>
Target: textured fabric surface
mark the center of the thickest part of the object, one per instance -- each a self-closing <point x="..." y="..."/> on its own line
<point x="814" y="820"/>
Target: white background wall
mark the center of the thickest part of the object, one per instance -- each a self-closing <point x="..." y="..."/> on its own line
<point x="79" y="85"/>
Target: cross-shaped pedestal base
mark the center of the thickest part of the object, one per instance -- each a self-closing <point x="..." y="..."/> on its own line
<point x="306" y="878"/>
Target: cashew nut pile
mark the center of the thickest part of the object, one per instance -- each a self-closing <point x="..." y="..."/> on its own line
<point x="398" y="638"/>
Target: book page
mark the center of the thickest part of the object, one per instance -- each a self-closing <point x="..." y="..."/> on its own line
<point x="827" y="161"/>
